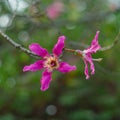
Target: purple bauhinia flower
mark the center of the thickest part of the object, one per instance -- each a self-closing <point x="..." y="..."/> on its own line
<point x="87" y="57"/>
<point x="48" y="62"/>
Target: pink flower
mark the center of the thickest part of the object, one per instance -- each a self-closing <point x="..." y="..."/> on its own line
<point x="54" y="10"/>
<point x="48" y="62"/>
<point x="86" y="55"/>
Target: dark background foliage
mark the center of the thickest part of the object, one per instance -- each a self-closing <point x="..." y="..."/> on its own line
<point x="70" y="96"/>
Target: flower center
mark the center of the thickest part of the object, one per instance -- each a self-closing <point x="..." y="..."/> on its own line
<point x="51" y="63"/>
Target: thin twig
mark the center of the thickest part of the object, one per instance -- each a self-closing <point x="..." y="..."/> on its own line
<point x="17" y="46"/>
<point x="69" y="50"/>
<point x="13" y="12"/>
<point x="116" y="40"/>
<point x="112" y="45"/>
<point x="89" y="17"/>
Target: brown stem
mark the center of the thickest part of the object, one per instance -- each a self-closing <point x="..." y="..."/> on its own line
<point x="76" y="52"/>
<point x="70" y="50"/>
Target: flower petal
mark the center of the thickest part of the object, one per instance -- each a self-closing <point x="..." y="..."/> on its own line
<point x="34" y="67"/>
<point x="95" y="40"/>
<point x="65" y="67"/>
<point x="92" y="67"/>
<point x="38" y="50"/>
<point x="57" y="50"/>
<point x="45" y="81"/>
<point x="86" y="69"/>
<point x="94" y="45"/>
<point x="89" y="59"/>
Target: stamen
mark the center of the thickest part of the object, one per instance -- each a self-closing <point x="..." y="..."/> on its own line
<point x="51" y="63"/>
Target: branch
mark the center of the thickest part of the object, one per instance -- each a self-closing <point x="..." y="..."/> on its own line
<point x="87" y="18"/>
<point x="13" y="13"/>
<point x="116" y="40"/>
<point x="17" y="46"/>
<point x="23" y="49"/>
<point x="112" y="45"/>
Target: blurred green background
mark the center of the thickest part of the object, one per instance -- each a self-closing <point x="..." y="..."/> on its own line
<point x="70" y="96"/>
